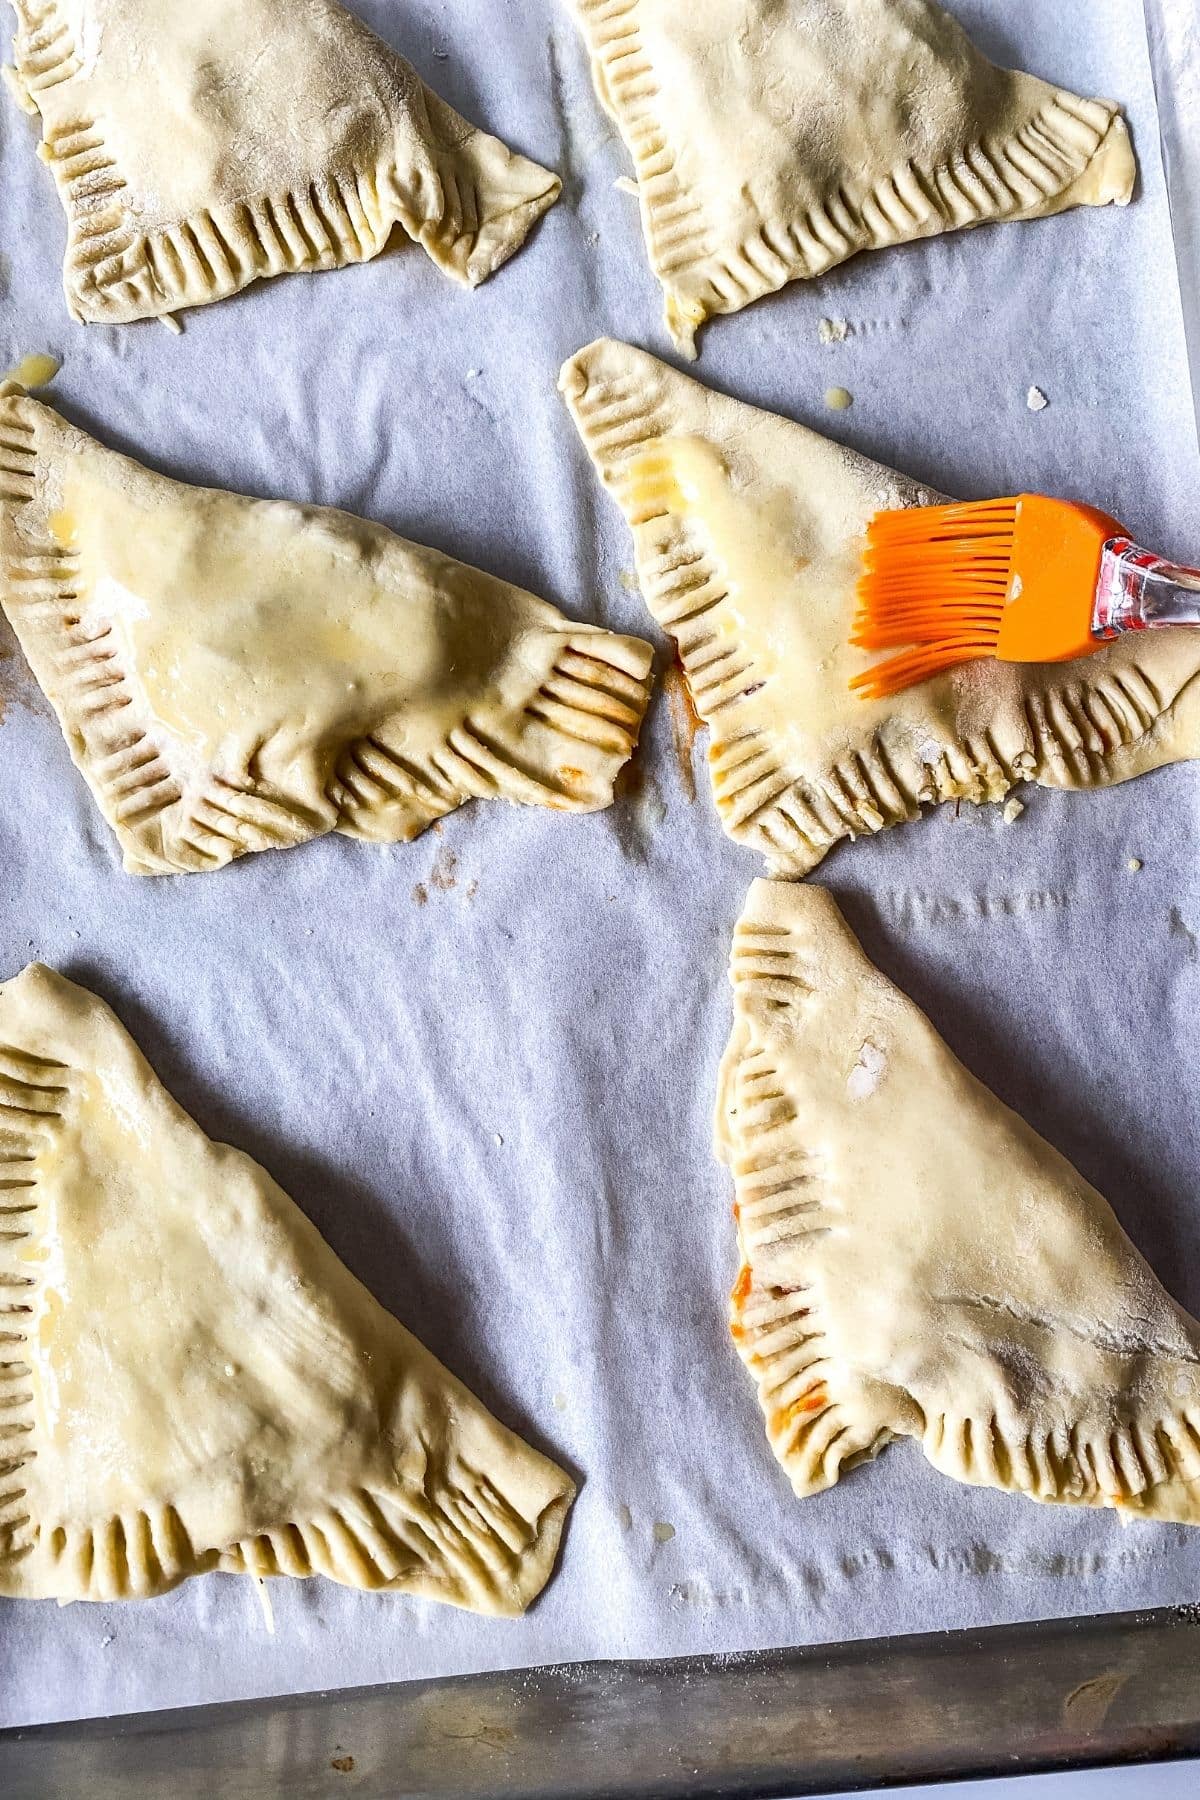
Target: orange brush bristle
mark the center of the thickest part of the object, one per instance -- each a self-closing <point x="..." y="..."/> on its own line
<point x="1013" y="579"/>
<point x="934" y="580"/>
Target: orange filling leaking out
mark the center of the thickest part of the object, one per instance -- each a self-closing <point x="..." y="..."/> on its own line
<point x="685" y="721"/>
<point x="814" y="1399"/>
<point x="738" y="1299"/>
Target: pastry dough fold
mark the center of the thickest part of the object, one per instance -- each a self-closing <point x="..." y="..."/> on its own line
<point x="236" y="675"/>
<point x="198" y="148"/>
<point x="772" y="141"/>
<point x="748" y="532"/>
<point x="917" y="1262"/>
<point x="191" y="1381"/>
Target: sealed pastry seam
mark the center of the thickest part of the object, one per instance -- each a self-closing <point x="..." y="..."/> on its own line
<point x="190" y="1380"/>
<point x="280" y="139"/>
<point x="235" y="675"/>
<point x="748" y="529"/>
<point x="737" y="201"/>
<point x="916" y="1262"/>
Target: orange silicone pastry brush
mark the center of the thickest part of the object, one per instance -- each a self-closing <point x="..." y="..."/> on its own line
<point x="1022" y="580"/>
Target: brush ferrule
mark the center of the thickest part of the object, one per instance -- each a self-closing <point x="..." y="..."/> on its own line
<point x="1138" y="591"/>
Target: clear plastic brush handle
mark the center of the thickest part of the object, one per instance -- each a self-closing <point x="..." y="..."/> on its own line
<point x="1138" y="591"/>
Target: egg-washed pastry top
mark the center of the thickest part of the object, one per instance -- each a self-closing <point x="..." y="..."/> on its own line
<point x="917" y="1262"/>
<point x="235" y="675"/>
<point x="191" y="1381"/>
<point x="199" y="146"/>
<point x="749" y="533"/>
<point x="775" y="138"/>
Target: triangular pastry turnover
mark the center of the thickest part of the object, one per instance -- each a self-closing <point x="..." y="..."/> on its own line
<point x="748" y="531"/>
<point x="917" y="1262"/>
<point x="198" y="147"/>
<point x="190" y="1380"/>
<point x="772" y="140"/>
<point x="236" y="675"/>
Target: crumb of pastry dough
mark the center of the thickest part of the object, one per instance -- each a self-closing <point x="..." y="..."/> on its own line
<point x="625" y="184"/>
<point x="838" y="398"/>
<point x="1036" y="400"/>
<point x="1135" y="865"/>
<point x="834" y="331"/>
<point x="1012" y="811"/>
<point x="663" y="1533"/>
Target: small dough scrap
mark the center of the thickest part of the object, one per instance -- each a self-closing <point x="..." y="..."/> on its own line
<point x="749" y="532"/>
<point x="235" y="675"/>
<point x="917" y="1262"/>
<point x="773" y="140"/>
<point x="198" y="147"/>
<point x="191" y="1379"/>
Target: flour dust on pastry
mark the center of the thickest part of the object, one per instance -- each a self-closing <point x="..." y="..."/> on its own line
<point x="773" y="139"/>
<point x="749" y="532"/>
<point x="235" y="675"/>
<point x="198" y="147"/>
<point x="190" y="1380"/>
<point x="917" y="1262"/>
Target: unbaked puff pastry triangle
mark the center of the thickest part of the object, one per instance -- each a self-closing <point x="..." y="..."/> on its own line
<point x="199" y="147"/>
<point x="772" y="140"/>
<point x="235" y="675"/>
<point x="190" y="1380"/>
<point x="748" y="531"/>
<point x="917" y="1262"/>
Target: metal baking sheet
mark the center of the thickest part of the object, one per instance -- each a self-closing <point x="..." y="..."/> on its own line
<point x="484" y="1063"/>
<point x="1007" y="1701"/>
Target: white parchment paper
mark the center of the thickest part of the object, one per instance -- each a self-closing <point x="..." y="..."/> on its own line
<point x="495" y="1104"/>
